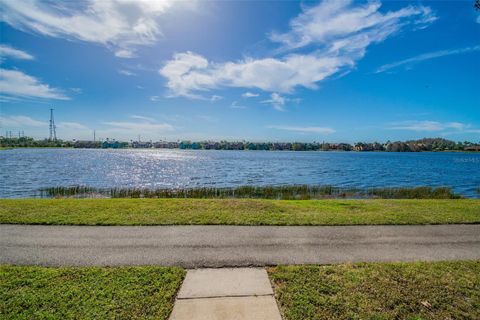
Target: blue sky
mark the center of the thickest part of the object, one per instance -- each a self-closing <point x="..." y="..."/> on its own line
<point x="283" y="71"/>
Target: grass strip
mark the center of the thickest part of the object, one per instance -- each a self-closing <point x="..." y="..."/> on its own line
<point x="237" y="211"/>
<point x="88" y="292"/>
<point x="417" y="290"/>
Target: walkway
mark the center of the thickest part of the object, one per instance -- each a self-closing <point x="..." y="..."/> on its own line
<point x="233" y="246"/>
<point x="226" y="294"/>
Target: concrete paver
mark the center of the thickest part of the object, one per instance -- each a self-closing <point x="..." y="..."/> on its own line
<point x="229" y="308"/>
<point x="231" y="282"/>
<point x="226" y="294"/>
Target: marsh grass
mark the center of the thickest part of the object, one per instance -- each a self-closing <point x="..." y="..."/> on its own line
<point x="287" y="192"/>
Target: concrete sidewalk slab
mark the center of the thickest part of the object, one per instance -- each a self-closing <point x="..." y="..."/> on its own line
<point x="228" y="282"/>
<point x="226" y="294"/>
<point x="230" y="308"/>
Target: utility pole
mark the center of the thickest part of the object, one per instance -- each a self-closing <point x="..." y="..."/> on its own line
<point x="53" y="127"/>
<point x="93" y="135"/>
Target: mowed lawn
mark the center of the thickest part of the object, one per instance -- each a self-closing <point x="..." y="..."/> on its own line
<point x="237" y="211"/>
<point x="417" y="290"/>
<point x="88" y="292"/>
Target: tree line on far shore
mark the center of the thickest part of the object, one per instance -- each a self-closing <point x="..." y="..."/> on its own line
<point x="426" y="144"/>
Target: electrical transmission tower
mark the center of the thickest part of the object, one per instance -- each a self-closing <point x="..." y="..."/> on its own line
<point x="53" y="127"/>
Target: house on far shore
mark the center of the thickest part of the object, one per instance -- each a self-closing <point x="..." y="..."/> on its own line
<point x="109" y="144"/>
<point x="472" y="148"/>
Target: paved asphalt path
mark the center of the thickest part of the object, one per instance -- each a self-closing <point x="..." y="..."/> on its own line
<point x="222" y="246"/>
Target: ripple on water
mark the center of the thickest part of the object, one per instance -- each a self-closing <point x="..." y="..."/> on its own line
<point x="24" y="171"/>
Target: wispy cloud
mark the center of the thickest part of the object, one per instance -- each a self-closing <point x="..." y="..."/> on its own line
<point x="333" y="36"/>
<point x="427" y="56"/>
<point x="72" y="125"/>
<point x="15" y="83"/>
<point x="139" y="127"/>
<point x="277" y="101"/>
<point x="149" y="119"/>
<point x="155" y="98"/>
<point x="127" y="72"/>
<point x="119" y="25"/>
<point x="318" y="130"/>
<point x="7" y="51"/>
<point x="340" y="25"/>
<point x="426" y="125"/>
<point x="144" y="126"/>
<point x="235" y="105"/>
<point x="215" y="97"/>
<point x="207" y="118"/>
<point x="21" y="121"/>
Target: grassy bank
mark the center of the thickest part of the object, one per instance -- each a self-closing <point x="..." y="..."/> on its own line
<point x="287" y="192"/>
<point x="419" y="290"/>
<point x="88" y="292"/>
<point x="237" y="211"/>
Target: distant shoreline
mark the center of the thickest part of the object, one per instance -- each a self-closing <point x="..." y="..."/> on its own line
<point x="346" y="151"/>
<point x="420" y="145"/>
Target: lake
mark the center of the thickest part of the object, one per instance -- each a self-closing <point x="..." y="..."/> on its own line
<point x="25" y="171"/>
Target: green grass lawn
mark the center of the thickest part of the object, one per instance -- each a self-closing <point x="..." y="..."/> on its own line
<point x="418" y="290"/>
<point x="88" y="292"/>
<point x="237" y="211"/>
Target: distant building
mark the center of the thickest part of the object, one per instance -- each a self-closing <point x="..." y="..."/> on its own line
<point x="472" y="148"/>
<point x="86" y="144"/>
<point x="114" y="144"/>
<point x="142" y="144"/>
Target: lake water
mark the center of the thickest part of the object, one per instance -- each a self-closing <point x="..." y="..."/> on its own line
<point x="24" y="171"/>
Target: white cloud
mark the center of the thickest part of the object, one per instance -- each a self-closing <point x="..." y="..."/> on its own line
<point x="319" y="130"/>
<point x="277" y="101"/>
<point x="10" y="52"/>
<point x="188" y="73"/>
<point x="250" y="95"/>
<point x="120" y="25"/>
<point x="126" y="72"/>
<point x="333" y="35"/>
<point x="427" y="125"/>
<point x="154" y="98"/>
<point x="21" y="121"/>
<point x="15" y="83"/>
<point x="427" y="56"/>
<point x="123" y="53"/>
